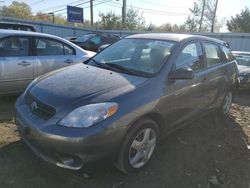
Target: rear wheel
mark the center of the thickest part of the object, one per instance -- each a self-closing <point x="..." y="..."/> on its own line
<point x="227" y="102"/>
<point x="139" y="146"/>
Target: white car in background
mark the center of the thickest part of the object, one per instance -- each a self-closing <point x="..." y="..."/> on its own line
<point x="26" y="55"/>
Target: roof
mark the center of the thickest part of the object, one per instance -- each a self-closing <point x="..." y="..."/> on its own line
<point x="171" y="37"/>
<point x="7" y="32"/>
<point x="16" y="23"/>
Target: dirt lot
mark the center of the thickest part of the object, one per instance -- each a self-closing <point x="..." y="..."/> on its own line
<point x="205" y="154"/>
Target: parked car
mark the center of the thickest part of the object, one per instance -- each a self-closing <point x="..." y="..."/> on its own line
<point x="25" y="55"/>
<point x="120" y="103"/>
<point x="93" y="41"/>
<point x="243" y="60"/>
<point x="17" y="26"/>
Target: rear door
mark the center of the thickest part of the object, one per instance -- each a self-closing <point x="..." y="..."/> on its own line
<point x="16" y="64"/>
<point x="51" y="54"/>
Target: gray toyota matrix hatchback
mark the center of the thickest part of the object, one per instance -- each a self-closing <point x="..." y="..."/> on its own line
<point x="120" y="103"/>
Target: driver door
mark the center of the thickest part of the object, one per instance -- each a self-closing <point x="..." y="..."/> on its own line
<point x="187" y="97"/>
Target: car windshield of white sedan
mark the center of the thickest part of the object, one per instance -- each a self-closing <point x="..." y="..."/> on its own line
<point x="243" y="59"/>
<point x="143" y="56"/>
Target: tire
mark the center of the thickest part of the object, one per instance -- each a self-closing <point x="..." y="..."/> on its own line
<point x="138" y="147"/>
<point x="226" y="104"/>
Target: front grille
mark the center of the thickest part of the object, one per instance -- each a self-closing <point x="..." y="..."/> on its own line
<point x="39" y="108"/>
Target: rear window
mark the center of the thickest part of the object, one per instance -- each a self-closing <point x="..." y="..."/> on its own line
<point x="212" y="54"/>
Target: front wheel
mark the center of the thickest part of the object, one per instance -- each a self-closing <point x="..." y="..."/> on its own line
<point x="139" y="146"/>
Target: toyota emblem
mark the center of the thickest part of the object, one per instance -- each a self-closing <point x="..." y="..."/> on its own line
<point x="33" y="106"/>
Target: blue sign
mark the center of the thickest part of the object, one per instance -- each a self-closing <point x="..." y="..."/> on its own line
<point x="75" y="14"/>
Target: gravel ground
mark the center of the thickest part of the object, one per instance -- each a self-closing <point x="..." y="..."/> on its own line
<point x="205" y="154"/>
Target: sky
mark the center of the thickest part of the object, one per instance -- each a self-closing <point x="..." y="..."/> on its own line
<point x="156" y="12"/>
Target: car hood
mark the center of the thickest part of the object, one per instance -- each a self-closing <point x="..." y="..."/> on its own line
<point x="82" y="84"/>
<point x="243" y="69"/>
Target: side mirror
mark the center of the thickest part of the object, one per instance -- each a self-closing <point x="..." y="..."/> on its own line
<point x="182" y="74"/>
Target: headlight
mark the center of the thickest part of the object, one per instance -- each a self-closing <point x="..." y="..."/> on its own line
<point x="89" y="115"/>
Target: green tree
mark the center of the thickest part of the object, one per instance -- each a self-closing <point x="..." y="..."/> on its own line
<point x="240" y="23"/>
<point x="17" y="10"/>
<point x="193" y="19"/>
<point x="46" y="17"/>
<point x="134" y="20"/>
<point x="110" y="20"/>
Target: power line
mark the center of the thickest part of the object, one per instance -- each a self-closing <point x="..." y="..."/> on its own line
<point x="152" y="11"/>
<point x="159" y="5"/>
<point x="65" y="9"/>
<point x="37" y="2"/>
<point x="69" y="4"/>
<point x="63" y="5"/>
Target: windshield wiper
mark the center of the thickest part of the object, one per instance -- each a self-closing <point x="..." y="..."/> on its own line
<point x="119" y="68"/>
<point x="102" y="65"/>
<point x="124" y="69"/>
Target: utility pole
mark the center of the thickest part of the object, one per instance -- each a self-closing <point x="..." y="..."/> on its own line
<point x="53" y="16"/>
<point x="124" y="12"/>
<point x="212" y="27"/>
<point x="202" y="13"/>
<point x="91" y="13"/>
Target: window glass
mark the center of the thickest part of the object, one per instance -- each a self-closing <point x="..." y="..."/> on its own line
<point x="68" y="50"/>
<point x="190" y="57"/>
<point x="242" y="59"/>
<point x="227" y="53"/>
<point x="84" y="38"/>
<point x="96" y="40"/>
<point x="141" y="55"/>
<point x="14" y="46"/>
<point x="48" y="47"/>
<point x="212" y="54"/>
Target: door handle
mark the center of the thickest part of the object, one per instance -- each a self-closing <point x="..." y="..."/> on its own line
<point x="24" y="63"/>
<point x="68" y="61"/>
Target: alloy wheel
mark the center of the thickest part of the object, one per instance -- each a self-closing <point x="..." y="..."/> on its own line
<point x="142" y="147"/>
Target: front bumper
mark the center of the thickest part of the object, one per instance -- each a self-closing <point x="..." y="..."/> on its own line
<point x="64" y="146"/>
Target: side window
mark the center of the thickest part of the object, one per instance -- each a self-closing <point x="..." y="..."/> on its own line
<point x="190" y="57"/>
<point x="47" y="47"/>
<point x="68" y="50"/>
<point x="14" y="46"/>
<point x="212" y="54"/>
<point x="227" y="55"/>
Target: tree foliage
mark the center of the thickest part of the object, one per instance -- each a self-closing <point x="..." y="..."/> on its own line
<point x="241" y="22"/>
<point x="18" y="10"/>
<point x="194" y="19"/>
<point x="111" y="20"/>
<point x="134" y="20"/>
<point x="58" y="19"/>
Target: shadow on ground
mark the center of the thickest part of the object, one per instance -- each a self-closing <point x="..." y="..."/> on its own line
<point x="206" y="151"/>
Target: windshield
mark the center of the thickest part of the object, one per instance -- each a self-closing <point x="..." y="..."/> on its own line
<point x="243" y="59"/>
<point x="137" y="56"/>
<point x="84" y="38"/>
